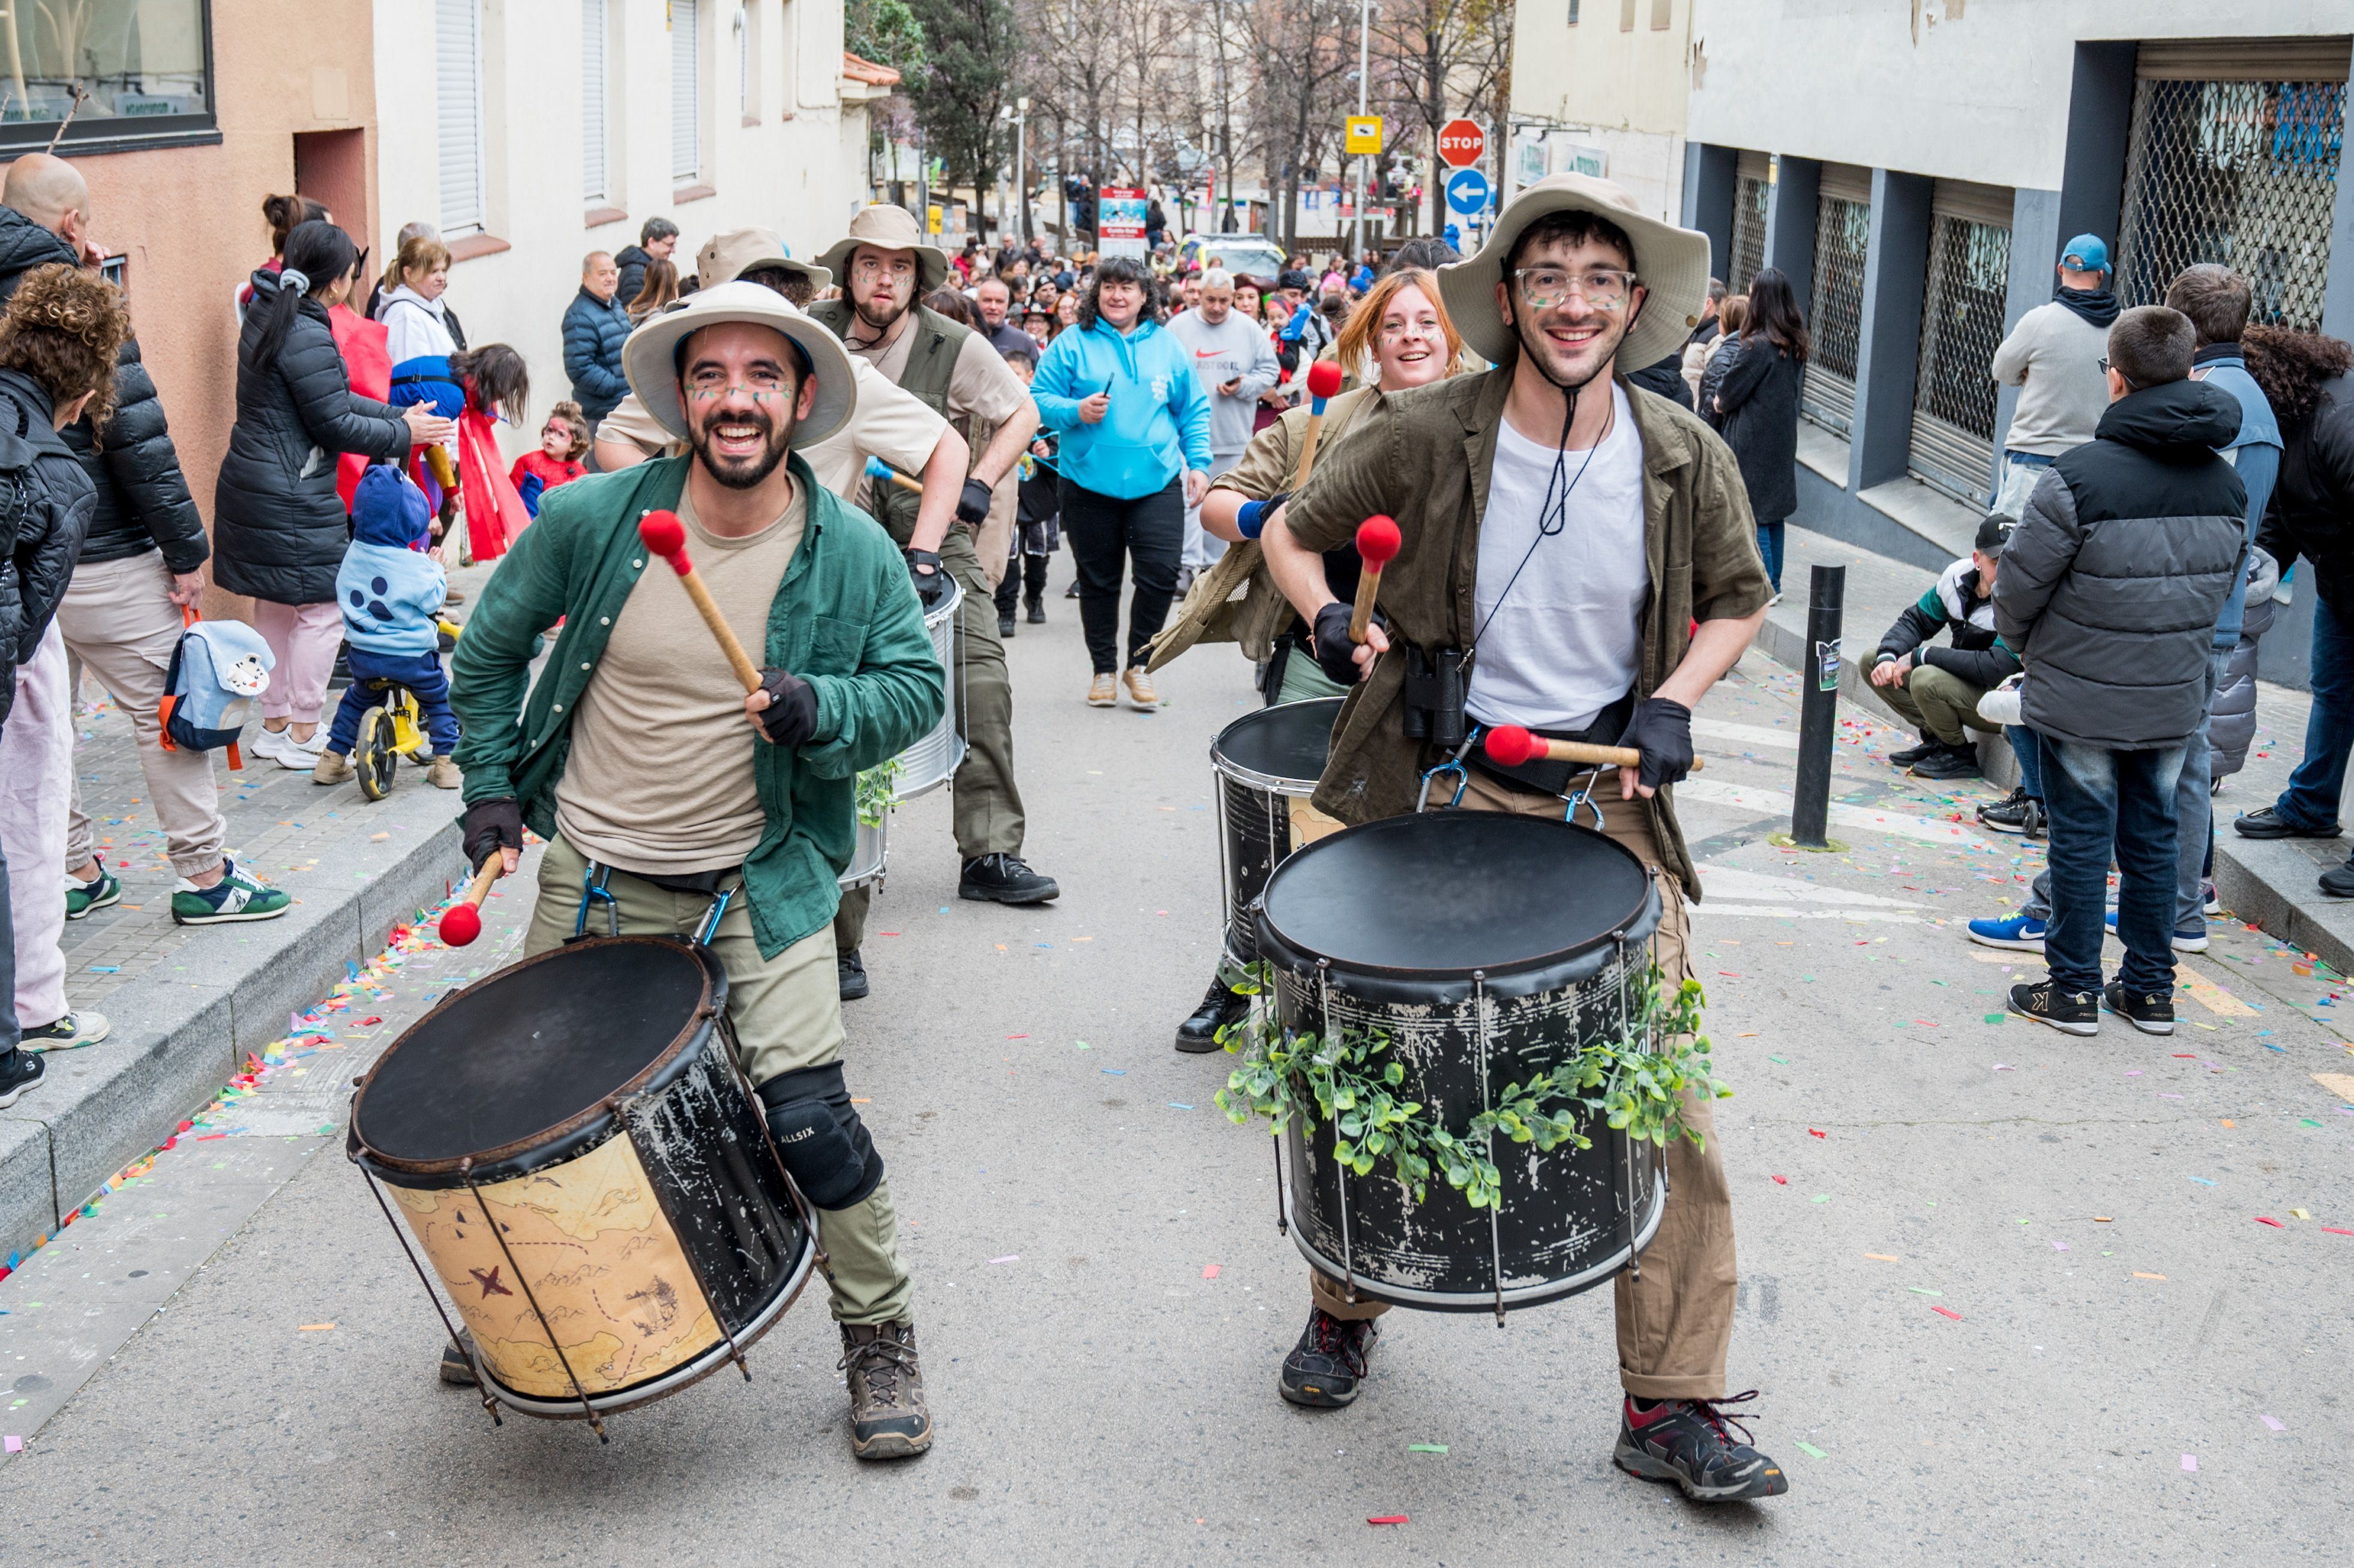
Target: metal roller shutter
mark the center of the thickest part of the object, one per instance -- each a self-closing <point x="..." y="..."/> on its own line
<point x="592" y="101"/>
<point x="1961" y="325"/>
<point x="686" y="90"/>
<point x="1842" y="237"/>
<point x="1752" y="182"/>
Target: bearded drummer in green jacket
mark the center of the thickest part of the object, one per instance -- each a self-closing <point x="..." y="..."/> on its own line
<point x="1563" y="534"/>
<point x="665" y="791"/>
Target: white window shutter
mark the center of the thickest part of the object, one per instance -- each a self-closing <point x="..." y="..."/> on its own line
<point x="458" y="104"/>
<point x="686" y="90"/>
<point x="592" y="101"/>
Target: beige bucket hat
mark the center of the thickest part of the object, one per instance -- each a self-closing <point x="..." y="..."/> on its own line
<point x="890" y="228"/>
<point x="649" y="358"/>
<point x="1671" y="264"/>
<point x="728" y="256"/>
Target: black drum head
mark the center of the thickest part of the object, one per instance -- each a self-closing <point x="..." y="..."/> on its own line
<point x="1443" y="892"/>
<point x="531" y="1048"/>
<point x="1289" y="741"/>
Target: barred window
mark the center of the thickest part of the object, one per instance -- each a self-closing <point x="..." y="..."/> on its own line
<point x="2237" y="172"/>
<point x="1961" y="326"/>
<point x="1842" y="234"/>
<point x="1750" y="190"/>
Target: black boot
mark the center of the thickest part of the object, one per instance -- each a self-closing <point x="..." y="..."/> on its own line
<point x="1005" y="879"/>
<point x="1036" y="604"/>
<point x="1005" y="624"/>
<point x="1220" y="1007"/>
<point x="1950" y="761"/>
<point x="850" y="971"/>
<point x="1930" y="745"/>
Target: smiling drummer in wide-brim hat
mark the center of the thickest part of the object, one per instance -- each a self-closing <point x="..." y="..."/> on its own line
<point x="666" y="793"/>
<point x="1614" y="576"/>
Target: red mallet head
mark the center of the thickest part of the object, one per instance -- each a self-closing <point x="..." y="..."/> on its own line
<point x="1378" y="540"/>
<point x="1508" y="744"/>
<point x="665" y="536"/>
<point x="460" y="923"/>
<point x="1323" y="379"/>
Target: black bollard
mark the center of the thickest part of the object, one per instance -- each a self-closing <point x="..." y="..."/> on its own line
<point x="1818" y="708"/>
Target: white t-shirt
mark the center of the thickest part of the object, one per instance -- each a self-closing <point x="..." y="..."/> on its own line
<point x="1565" y="643"/>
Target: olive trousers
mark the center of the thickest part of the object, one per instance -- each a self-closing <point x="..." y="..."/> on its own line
<point x="1675" y="1319"/>
<point x="786" y="1012"/>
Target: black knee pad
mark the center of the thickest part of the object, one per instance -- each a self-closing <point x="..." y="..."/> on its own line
<point x="824" y="1146"/>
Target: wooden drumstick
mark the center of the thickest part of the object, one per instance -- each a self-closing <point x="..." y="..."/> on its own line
<point x="1511" y="745"/>
<point x="665" y="536"/>
<point x="1323" y="380"/>
<point x="462" y="921"/>
<point x="1378" y="541"/>
<point x="877" y="468"/>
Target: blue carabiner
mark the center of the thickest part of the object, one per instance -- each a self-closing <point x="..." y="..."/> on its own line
<point x="593" y="889"/>
<point x="710" y="927"/>
<point x="1452" y="765"/>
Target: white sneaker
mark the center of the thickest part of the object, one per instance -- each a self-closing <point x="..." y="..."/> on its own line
<point x="300" y="756"/>
<point x="266" y="743"/>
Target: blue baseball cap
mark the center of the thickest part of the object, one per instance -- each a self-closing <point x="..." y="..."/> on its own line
<point x="2085" y="253"/>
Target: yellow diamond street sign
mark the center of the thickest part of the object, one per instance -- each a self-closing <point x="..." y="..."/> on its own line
<point x="1364" y="134"/>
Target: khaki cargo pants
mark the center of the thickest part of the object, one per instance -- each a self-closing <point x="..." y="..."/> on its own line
<point x="1675" y="1321"/>
<point x="988" y="803"/>
<point x="1939" y="703"/>
<point x="787" y="1014"/>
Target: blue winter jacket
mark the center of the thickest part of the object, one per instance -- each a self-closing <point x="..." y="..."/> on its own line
<point x="390" y="589"/>
<point x="2256" y="451"/>
<point x="594" y="330"/>
<point x="1158" y="422"/>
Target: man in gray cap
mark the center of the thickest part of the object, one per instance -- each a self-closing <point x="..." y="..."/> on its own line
<point x="1598" y="523"/>
<point x="886" y="266"/>
<point x="631" y="758"/>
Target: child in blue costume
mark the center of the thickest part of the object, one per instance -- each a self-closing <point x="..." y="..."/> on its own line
<point x="391" y="592"/>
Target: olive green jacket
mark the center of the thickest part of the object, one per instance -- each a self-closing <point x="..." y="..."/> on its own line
<point x="846" y="618"/>
<point x="1423" y="456"/>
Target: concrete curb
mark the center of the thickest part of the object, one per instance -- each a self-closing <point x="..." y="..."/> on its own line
<point x="175" y="1042"/>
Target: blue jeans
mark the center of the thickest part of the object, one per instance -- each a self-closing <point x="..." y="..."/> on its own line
<point x="421" y="673"/>
<point x="2194" y="808"/>
<point x="1769" y="547"/>
<point x="2031" y="758"/>
<point x="2311" y="799"/>
<point x="2107" y="803"/>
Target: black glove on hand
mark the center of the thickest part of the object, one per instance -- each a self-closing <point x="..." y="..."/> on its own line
<point x="931" y="580"/>
<point x="490" y="826"/>
<point x="972" y="507"/>
<point x="1335" y="654"/>
<point x="1662" y="731"/>
<point x="791" y="717"/>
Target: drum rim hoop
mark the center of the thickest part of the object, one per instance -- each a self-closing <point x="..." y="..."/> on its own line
<point x="1276" y="784"/>
<point x="576" y="1133"/>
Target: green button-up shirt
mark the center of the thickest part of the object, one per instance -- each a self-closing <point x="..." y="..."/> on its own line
<point x="846" y="618"/>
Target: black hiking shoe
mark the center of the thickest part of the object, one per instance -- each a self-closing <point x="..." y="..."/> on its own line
<point x="1930" y="745"/>
<point x="2069" y="1011"/>
<point x="2338" y="881"/>
<point x="1005" y="624"/>
<point x="1220" y="1007"/>
<point x="457" y="1369"/>
<point x="1323" y="1370"/>
<point x="1037" y="610"/>
<point x="1949" y="762"/>
<point x="887" y="1418"/>
<point x="1687" y="1441"/>
<point x="850" y="973"/>
<point x="1005" y="879"/>
<point x="2150" y="1012"/>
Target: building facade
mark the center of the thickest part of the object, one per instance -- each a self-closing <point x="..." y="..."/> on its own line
<point x="537" y="130"/>
<point x="1599" y="88"/>
<point x="1916" y="175"/>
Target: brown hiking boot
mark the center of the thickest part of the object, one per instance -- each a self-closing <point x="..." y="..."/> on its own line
<point x="887" y="1418"/>
<point x="442" y="774"/>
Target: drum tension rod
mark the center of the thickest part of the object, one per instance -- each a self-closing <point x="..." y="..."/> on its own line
<point x="1495" y="1221"/>
<point x="620" y="1109"/>
<point x="498" y="1233"/>
<point x="430" y="1294"/>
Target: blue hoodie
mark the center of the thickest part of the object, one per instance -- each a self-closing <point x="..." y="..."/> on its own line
<point x="390" y="589"/>
<point x="1159" y="423"/>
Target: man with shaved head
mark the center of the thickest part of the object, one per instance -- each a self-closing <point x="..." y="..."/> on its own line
<point x="143" y="563"/>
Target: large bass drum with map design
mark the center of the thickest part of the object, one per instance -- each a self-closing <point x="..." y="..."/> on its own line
<point x="587" y="1177"/>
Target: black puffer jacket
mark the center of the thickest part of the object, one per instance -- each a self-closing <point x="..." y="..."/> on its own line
<point x="279" y="526"/>
<point x="143" y="496"/>
<point x="2312" y="510"/>
<point x="2116" y="575"/>
<point x="41" y="530"/>
<point x="632" y="260"/>
<point x="1760" y="393"/>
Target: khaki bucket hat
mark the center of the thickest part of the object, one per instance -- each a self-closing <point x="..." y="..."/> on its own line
<point x="728" y="255"/>
<point x="890" y="228"/>
<point x="1671" y="263"/>
<point x="649" y="358"/>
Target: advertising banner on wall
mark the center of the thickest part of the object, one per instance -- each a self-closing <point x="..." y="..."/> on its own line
<point x="1119" y="222"/>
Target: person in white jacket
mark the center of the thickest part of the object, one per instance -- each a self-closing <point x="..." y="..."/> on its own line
<point x="1235" y="360"/>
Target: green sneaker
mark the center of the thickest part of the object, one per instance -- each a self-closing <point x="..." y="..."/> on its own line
<point x="236" y="896"/>
<point x="81" y="897"/>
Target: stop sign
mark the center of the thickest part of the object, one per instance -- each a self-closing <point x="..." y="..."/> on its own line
<point x="1462" y="143"/>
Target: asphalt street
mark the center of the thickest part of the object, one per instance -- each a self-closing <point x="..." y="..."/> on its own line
<point x="2005" y="1294"/>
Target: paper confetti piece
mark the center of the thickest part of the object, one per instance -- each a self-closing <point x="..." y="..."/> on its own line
<point x="1117" y="1072"/>
<point x="2333" y="1230"/>
<point x="2268" y="1220"/>
<point x="1880" y="1256"/>
<point x="1994" y="1018"/>
<point x="1812" y="1133"/>
<point x="2189" y="1461"/>
<point x="1179" y="1105"/>
<point x="2203" y="1182"/>
<point x="316" y="1328"/>
<point x="2139" y="1275"/>
<point x="1009" y="1257"/>
<point x="1923" y="1290"/>
<point x="1810" y="1451"/>
<point x="11" y="1443"/>
<point x="1947" y="1312"/>
<point x="1784" y="1060"/>
<point x="1441" y="1448"/>
<point x="1387" y="1519"/>
<point x="1782" y="1181"/>
<point x="1210" y="1271"/>
<point x="2101" y="1219"/>
<point x="2272" y="1421"/>
<point x="1820" y="1198"/>
<point x="2299" y="1214"/>
<point x="2059" y="1247"/>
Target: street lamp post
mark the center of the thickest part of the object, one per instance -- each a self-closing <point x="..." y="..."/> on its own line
<point x="1364" y="52"/>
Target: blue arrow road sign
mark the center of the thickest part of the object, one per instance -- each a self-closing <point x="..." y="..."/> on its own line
<point x="1467" y="191"/>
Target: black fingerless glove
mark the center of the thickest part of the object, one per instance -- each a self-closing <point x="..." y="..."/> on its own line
<point x="1335" y="654"/>
<point x="1662" y="731"/>
<point x="931" y="580"/>
<point x="791" y="717"/>
<point x="972" y="507"/>
<point x="490" y="826"/>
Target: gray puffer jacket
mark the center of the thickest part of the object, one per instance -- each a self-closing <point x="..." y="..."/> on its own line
<point x="2119" y="567"/>
<point x="2232" y="729"/>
